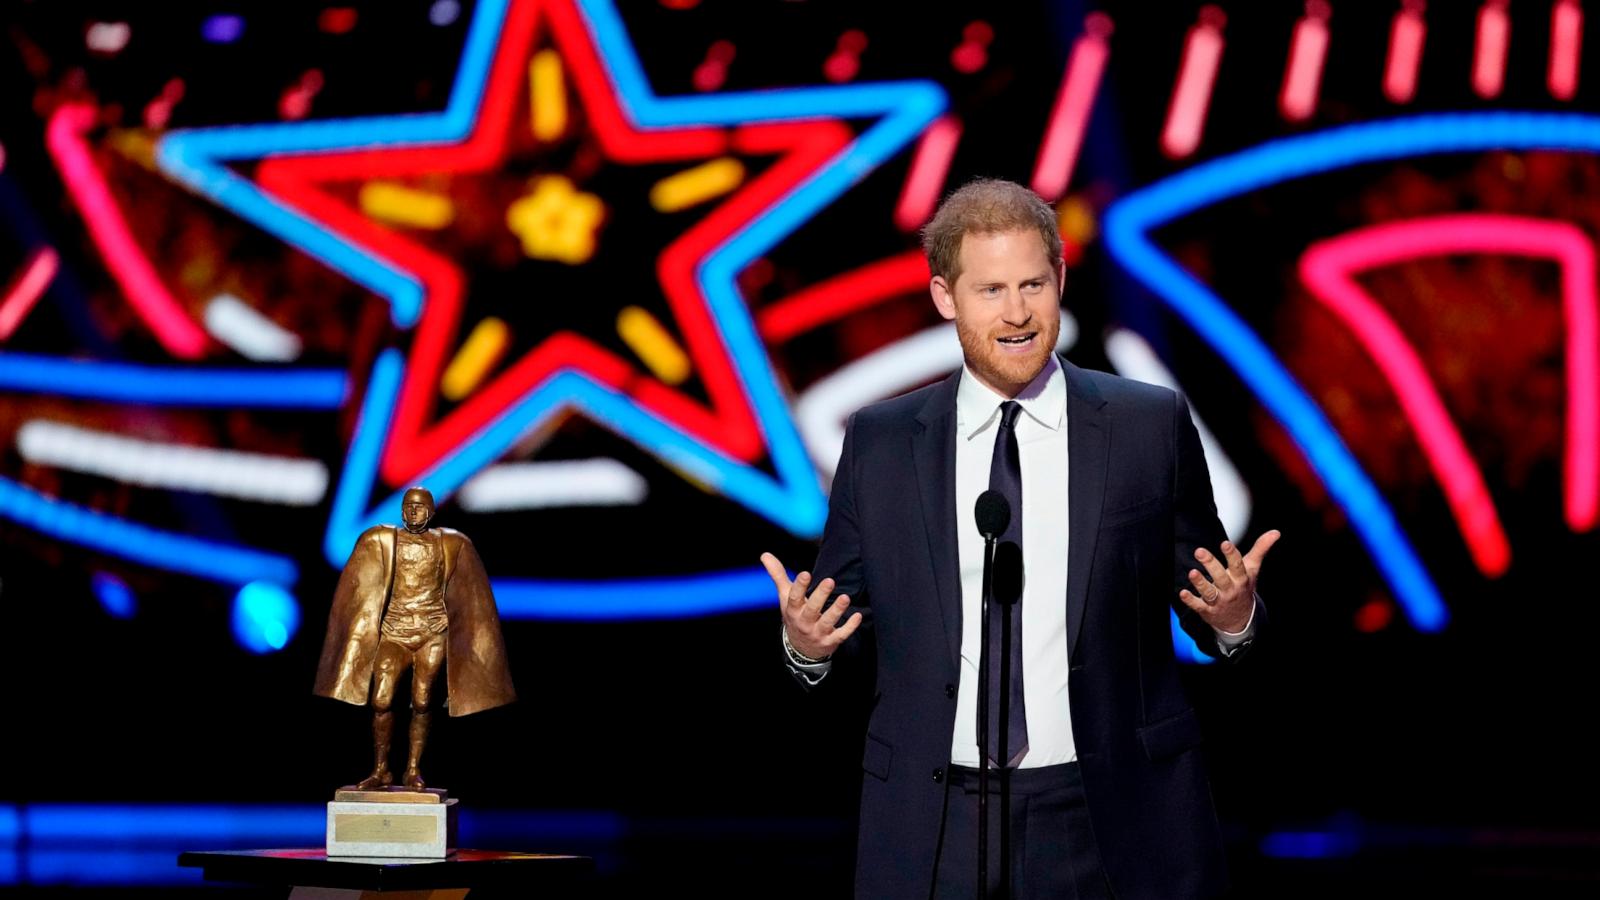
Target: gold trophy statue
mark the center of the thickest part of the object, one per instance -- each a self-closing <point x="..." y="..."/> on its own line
<point x="418" y="598"/>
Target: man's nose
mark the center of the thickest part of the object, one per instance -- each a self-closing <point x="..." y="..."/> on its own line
<point x="1015" y="311"/>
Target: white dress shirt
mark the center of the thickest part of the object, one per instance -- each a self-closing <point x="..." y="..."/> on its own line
<point x="1042" y="442"/>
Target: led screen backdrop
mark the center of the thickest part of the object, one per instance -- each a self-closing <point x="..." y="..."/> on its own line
<point x="610" y="279"/>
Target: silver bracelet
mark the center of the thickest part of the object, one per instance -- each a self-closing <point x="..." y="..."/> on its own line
<point x="799" y="657"/>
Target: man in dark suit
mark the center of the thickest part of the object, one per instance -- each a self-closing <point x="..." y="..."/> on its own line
<point x="1112" y="519"/>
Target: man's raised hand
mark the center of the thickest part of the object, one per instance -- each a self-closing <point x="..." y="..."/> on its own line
<point x="1226" y="598"/>
<point x="813" y="631"/>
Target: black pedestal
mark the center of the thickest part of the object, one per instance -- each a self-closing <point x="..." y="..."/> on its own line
<point x="308" y="870"/>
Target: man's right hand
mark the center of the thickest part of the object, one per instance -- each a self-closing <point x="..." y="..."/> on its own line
<point x="812" y="631"/>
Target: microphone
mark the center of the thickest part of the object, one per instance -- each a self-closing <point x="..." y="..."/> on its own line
<point x="993" y="513"/>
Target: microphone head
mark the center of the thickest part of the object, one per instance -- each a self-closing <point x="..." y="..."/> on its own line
<point x="993" y="513"/>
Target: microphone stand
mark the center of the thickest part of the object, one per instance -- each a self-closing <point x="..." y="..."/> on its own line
<point x="1007" y="603"/>
<point x="983" y="724"/>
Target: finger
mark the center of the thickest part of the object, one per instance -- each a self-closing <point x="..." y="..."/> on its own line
<point x="1236" y="567"/>
<point x="836" y="611"/>
<point x="1194" y="603"/>
<point x="821" y="594"/>
<point x="1258" y="552"/>
<point x="840" y="635"/>
<point x="1203" y="589"/>
<point x="1219" y="575"/>
<point x="797" y="607"/>
<point x="778" y="574"/>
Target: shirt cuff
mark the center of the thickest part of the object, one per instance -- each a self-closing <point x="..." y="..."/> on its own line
<point x="1230" y="641"/>
<point x="811" y="672"/>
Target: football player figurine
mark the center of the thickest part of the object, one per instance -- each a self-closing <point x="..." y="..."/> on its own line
<point x="418" y="598"/>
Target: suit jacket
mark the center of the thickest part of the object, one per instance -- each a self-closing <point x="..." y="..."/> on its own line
<point x="1139" y="503"/>
<point x="476" y="674"/>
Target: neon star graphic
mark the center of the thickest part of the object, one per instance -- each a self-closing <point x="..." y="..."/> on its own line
<point x="747" y="418"/>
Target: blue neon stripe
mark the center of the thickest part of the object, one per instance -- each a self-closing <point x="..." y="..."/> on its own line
<point x="348" y="518"/>
<point x="1184" y="646"/>
<point x="1310" y="845"/>
<point x="226" y="563"/>
<point x="1130" y="221"/>
<point x="171" y="385"/>
<point x="643" y="598"/>
<point x="133" y="824"/>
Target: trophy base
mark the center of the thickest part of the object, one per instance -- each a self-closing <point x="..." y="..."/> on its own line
<point x="392" y="794"/>
<point x="392" y="829"/>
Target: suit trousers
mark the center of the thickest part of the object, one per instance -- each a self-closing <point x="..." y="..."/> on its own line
<point x="1053" y="850"/>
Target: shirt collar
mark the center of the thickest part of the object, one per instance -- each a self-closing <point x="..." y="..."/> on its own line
<point x="1044" y="400"/>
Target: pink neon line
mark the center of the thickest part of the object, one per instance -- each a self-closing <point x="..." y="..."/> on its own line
<point x="1328" y="270"/>
<point x="132" y="270"/>
<point x="1302" y="77"/>
<point x="1069" y="120"/>
<point x="929" y="167"/>
<point x="1406" y="36"/>
<point x="29" y="287"/>
<point x="1566" y="48"/>
<point x="1489" y="63"/>
<point x="1191" y="96"/>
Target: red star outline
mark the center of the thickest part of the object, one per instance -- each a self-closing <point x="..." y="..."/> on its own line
<point x="413" y="444"/>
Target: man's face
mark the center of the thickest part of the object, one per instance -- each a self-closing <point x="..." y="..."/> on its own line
<point x="416" y="511"/>
<point x="1006" y="304"/>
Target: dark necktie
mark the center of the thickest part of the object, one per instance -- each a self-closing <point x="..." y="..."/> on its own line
<point x="1005" y="476"/>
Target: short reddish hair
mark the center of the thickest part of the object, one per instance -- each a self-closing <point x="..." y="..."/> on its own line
<point x="985" y="206"/>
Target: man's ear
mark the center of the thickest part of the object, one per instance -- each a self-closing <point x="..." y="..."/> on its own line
<point x="943" y="299"/>
<point x="1061" y="278"/>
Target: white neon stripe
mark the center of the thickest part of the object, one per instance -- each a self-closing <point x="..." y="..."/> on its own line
<point x="1133" y="357"/>
<point x="536" y="485"/>
<point x="239" y="325"/>
<point x="207" y="470"/>
<point x="907" y="363"/>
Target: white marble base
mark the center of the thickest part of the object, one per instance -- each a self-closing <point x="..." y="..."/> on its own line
<point x="396" y="830"/>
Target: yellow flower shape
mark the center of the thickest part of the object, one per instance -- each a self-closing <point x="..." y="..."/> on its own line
<point x="556" y="221"/>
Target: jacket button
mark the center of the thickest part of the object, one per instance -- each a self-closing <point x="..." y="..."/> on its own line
<point x="938" y="776"/>
<point x="1073" y="670"/>
<point x="950" y="691"/>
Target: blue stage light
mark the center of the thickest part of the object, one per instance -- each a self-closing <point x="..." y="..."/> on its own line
<point x="265" y="617"/>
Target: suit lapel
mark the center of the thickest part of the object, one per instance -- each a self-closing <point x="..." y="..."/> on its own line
<point x="933" y="453"/>
<point x="1088" y="440"/>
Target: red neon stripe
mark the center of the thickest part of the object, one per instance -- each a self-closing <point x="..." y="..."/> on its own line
<point x="843" y="294"/>
<point x="416" y="441"/>
<point x="1308" y="50"/>
<point x="1566" y="48"/>
<point x="1328" y="269"/>
<point x="1489" y="61"/>
<point x="26" y="290"/>
<point x="929" y="167"/>
<point x="129" y="266"/>
<point x="1069" y="120"/>
<point x="1197" y="74"/>
<point x="1406" y="37"/>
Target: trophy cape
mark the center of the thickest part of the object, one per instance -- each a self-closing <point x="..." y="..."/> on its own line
<point x="475" y="651"/>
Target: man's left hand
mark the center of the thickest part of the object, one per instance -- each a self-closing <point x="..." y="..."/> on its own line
<point x="1227" y="598"/>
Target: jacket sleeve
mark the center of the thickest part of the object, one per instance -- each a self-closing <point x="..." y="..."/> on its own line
<point x="839" y="558"/>
<point x="1196" y="525"/>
